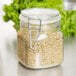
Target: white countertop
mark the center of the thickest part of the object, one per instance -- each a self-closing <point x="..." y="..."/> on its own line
<point x="9" y="65"/>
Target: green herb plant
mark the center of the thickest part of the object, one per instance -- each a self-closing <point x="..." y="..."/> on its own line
<point x="68" y="18"/>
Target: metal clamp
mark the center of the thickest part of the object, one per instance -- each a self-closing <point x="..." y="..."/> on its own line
<point x="37" y="35"/>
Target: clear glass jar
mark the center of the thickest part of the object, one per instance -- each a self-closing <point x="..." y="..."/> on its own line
<point x="40" y="41"/>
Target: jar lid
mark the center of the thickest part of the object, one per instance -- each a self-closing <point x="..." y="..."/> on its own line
<point x="45" y="14"/>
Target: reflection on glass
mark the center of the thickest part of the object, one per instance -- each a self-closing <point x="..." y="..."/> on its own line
<point x="55" y="71"/>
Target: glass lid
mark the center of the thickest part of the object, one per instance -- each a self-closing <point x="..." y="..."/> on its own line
<point x="34" y="14"/>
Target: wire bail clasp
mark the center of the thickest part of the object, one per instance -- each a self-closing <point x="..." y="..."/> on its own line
<point x="37" y="35"/>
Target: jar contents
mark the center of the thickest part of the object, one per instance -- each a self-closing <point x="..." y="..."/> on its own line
<point x="48" y="51"/>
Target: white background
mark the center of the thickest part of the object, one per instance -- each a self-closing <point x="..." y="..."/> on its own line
<point x="9" y="65"/>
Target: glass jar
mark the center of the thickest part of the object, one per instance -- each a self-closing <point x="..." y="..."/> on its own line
<point x="40" y="41"/>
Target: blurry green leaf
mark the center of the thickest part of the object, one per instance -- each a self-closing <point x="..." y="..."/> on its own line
<point x="68" y="18"/>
